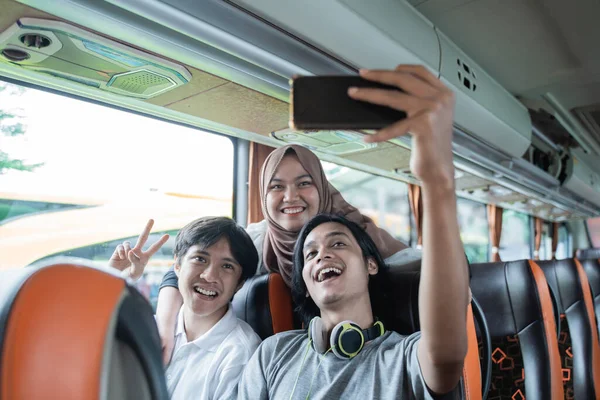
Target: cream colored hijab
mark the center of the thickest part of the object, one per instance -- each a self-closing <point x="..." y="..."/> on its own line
<point x="279" y="243"/>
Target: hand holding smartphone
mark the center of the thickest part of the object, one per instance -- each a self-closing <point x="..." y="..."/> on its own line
<point x="322" y="103"/>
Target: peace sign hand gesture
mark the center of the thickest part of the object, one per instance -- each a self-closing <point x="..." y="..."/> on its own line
<point x="135" y="260"/>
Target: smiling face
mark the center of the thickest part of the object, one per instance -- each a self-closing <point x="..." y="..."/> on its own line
<point x="335" y="269"/>
<point x="292" y="198"/>
<point x="208" y="278"/>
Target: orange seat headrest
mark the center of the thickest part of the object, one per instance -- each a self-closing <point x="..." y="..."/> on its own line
<point x="58" y="327"/>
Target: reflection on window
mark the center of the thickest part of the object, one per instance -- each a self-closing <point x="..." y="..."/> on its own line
<point x="546" y="244"/>
<point x="11" y="209"/>
<point x="76" y="178"/>
<point x="382" y="199"/>
<point x="515" y="242"/>
<point x="594" y="230"/>
<point x="101" y="252"/>
<point x="563" y="250"/>
<point x="564" y="246"/>
<point x="474" y="231"/>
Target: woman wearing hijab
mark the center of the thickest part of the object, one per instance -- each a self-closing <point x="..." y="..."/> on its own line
<point x="293" y="189"/>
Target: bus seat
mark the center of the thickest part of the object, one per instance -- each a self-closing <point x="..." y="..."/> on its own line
<point x="578" y="342"/>
<point x="265" y="303"/>
<point x="71" y="331"/>
<point x="516" y="300"/>
<point x="592" y="270"/>
<point x="588" y="254"/>
<point x="406" y="321"/>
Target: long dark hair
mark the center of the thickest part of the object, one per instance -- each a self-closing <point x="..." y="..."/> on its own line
<point x="378" y="283"/>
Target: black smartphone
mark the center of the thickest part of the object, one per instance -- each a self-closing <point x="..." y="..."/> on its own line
<point x="322" y="103"/>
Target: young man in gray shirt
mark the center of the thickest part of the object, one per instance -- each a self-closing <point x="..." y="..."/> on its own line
<point x="339" y="275"/>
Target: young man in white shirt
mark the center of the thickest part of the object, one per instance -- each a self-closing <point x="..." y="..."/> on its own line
<point x="213" y="258"/>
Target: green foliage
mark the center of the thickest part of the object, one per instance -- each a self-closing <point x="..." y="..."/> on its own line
<point x="10" y="126"/>
<point x="476" y="253"/>
<point x="7" y="163"/>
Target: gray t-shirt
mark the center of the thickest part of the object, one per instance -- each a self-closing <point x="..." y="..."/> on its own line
<point x="386" y="368"/>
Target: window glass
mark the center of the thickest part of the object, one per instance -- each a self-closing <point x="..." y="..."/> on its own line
<point x="77" y="178"/>
<point x="546" y="244"/>
<point x="382" y="199"/>
<point x="101" y="252"/>
<point x="414" y="235"/>
<point x="594" y="230"/>
<point x="474" y="230"/>
<point x="515" y="240"/>
<point x="562" y="250"/>
<point x="11" y="209"/>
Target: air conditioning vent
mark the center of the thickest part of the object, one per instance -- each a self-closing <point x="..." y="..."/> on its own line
<point x="332" y="142"/>
<point x="141" y="82"/>
<point x="62" y="50"/>
<point x="15" y="55"/>
<point x="466" y="76"/>
<point x="35" y="40"/>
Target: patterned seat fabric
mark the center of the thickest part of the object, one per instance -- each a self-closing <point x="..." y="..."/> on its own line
<point x="508" y="372"/>
<point x="592" y="270"/>
<point x="566" y="357"/>
<point x="578" y="341"/>
<point x="516" y="300"/>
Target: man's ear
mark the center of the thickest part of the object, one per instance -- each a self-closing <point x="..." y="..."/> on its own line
<point x="177" y="267"/>
<point x="372" y="266"/>
<point x="239" y="286"/>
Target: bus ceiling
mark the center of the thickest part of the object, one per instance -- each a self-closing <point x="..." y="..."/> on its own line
<point x="220" y="65"/>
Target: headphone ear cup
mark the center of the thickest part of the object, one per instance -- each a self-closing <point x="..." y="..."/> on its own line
<point x="347" y="340"/>
<point x="379" y="325"/>
<point x="333" y="340"/>
<point x="317" y="335"/>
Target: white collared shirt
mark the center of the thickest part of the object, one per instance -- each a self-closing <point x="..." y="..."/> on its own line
<point x="210" y="366"/>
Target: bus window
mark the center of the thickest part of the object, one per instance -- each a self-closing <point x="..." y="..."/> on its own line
<point x="546" y="243"/>
<point x="103" y="251"/>
<point x="382" y="199"/>
<point x="563" y="249"/>
<point x="515" y="242"/>
<point x="78" y="178"/>
<point x="474" y="230"/>
<point x="10" y="209"/>
<point x="593" y="226"/>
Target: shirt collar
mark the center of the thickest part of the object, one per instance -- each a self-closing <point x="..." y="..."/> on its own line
<point x="214" y="336"/>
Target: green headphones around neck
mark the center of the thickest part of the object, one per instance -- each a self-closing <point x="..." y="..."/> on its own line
<point x="347" y="338"/>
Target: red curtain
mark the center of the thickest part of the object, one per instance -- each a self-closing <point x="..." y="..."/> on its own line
<point x="258" y="155"/>
<point x="416" y="205"/>
<point x="495" y="226"/>
<point x="538" y="238"/>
